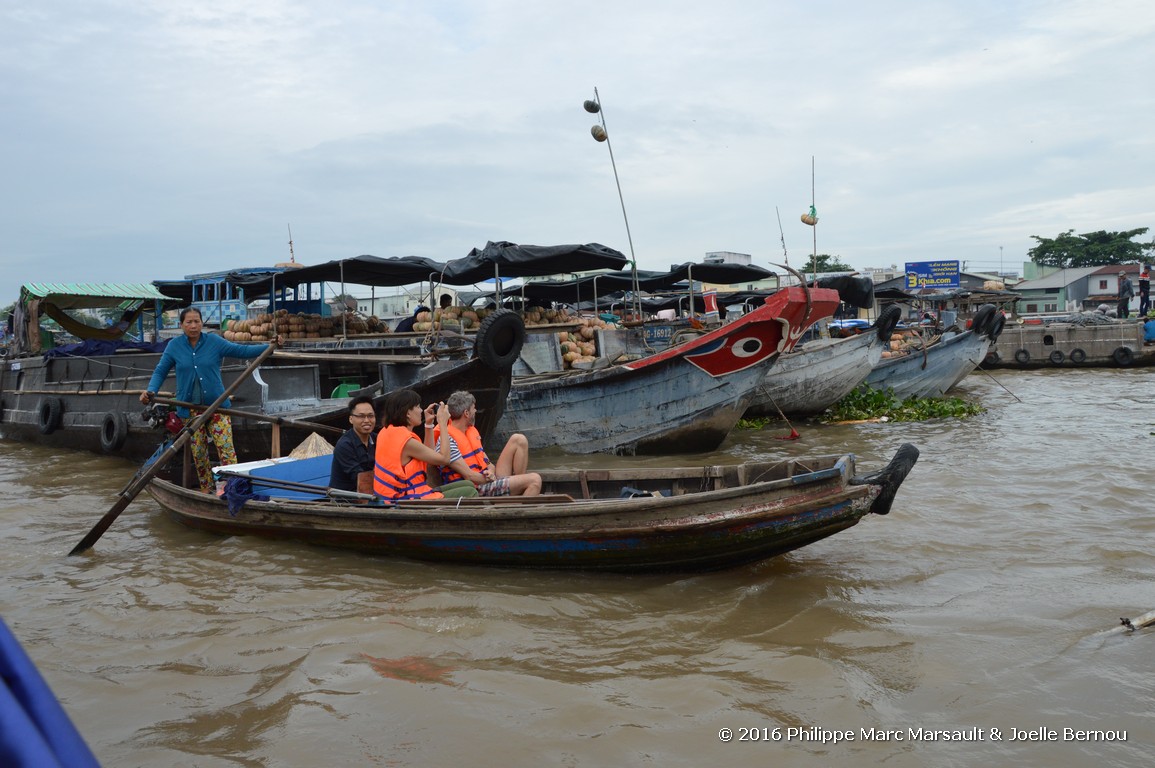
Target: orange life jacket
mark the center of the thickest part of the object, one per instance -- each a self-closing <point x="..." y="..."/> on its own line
<point x="391" y="478"/>
<point x="469" y="443"/>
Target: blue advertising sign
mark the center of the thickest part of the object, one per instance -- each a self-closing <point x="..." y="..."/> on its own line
<point x="932" y="274"/>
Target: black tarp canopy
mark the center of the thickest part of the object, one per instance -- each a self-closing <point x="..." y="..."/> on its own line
<point x="504" y="259"/>
<point x="358" y="270"/>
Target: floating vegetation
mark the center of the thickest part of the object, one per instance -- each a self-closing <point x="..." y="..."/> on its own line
<point x="865" y="403"/>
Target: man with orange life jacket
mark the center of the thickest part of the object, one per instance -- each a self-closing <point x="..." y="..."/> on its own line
<point x="468" y="460"/>
<point x="401" y="459"/>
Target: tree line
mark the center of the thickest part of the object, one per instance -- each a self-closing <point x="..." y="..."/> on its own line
<point x="1091" y="249"/>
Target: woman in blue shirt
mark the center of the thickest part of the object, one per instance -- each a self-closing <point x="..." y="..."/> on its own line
<point x="197" y="358"/>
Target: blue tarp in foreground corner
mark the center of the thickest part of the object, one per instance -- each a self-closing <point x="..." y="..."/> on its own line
<point x="35" y="731"/>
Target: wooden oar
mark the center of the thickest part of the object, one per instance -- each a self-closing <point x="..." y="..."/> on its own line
<point x="278" y="420"/>
<point x="292" y="485"/>
<point x="133" y="489"/>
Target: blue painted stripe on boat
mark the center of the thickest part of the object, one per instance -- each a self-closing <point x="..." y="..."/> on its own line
<point x="578" y="546"/>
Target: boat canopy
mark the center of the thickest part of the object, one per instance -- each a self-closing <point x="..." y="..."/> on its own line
<point x="55" y="299"/>
<point x="358" y="270"/>
<point x="505" y="259"/>
<point x="91" y="295"/>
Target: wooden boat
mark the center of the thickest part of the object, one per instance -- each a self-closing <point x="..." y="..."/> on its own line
<point x="1084" y="340"/>
<point x="684" y="399"/>
<point x="86" y="397"/>
<point x="638" y="519"/>
<point x="819" y="373"/>
<point x="933" y="370"/>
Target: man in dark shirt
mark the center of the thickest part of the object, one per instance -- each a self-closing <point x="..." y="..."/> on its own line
<point x="355" y="450"/>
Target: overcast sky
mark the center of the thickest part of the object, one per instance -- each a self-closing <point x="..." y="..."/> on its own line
<point x="148" y="139"/>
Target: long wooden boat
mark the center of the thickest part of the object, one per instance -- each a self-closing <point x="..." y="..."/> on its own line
<point x="819" y="373"/>
<point x="1080" y="341"/>
<point x="684" y="399"/>
<point x="639" y="519"/>
<point x="933" y="371"/>
<point x="941" y="363"/>
<point x="87" y="397"/>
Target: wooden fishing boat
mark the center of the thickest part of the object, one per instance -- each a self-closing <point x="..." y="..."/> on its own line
<point x="637" y="519"/>
<point x="684" y="399"/>
<point x="940" y="364"/>
<point x="819" y="373"/>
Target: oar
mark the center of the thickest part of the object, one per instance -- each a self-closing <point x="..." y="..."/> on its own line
<point x="134" y="488"/>
<point x="292" y="485"/>
<point x="278" y="420"/>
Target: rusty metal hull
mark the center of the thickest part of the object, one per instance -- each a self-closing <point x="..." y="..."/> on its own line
<point x="713" y="517"/>
<point x="1068" y="345"/>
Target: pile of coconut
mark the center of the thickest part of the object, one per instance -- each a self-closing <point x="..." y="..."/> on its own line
<point x="449" y="318"/>
<point x="903" y="343"/>
<point x="578" y="346"/>
<point x="299" y="326"/>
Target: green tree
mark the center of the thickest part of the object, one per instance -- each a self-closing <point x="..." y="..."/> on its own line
<point x="1091" y="249"/>
<point x="824" y="262"/>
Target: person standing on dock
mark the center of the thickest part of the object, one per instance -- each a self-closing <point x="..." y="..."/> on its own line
<point x="1126" y="293"/>
<point x="1144" y="289"/>
<point x="197" y="358"/>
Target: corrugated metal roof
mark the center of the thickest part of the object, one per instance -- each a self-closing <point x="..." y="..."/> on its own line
<point x="82" y="295"/>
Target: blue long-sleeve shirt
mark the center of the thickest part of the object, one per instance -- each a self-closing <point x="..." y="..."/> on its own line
<point x="199" y="367"/>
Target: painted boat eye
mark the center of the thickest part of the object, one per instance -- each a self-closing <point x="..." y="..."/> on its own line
<point x="747" y="347"/>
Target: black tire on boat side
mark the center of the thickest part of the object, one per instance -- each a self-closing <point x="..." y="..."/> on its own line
<point x="113" y="432"/>
<point x="1078" y="355"/>
<point x="983" y="318"/>
<point x="992" y="357"/>
<point x="50" y="415"/>
<point x="996" y="327"/>
<point x="1122" y="356"/>
<point x="1022" y="357"/>
<point x="1056" y="357"/>
<point x="887" y="321"/>
<point x="499" y="339"/>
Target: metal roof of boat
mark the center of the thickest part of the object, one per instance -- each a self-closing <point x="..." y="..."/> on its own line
<point x="83" y="295"/>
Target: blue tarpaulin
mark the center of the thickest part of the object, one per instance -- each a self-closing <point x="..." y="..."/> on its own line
<point x="35" y="731"/>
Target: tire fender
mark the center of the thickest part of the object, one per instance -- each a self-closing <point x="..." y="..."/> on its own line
<point x="113" y="432"/>
<point x="983" y="318"/>
<point x="1022" y="357"/>
<point x="995" y="329"/>
<point x="50" y="415"/>
<point x="1122" y="356"/>
<point x="887" y="321"/>
<point x="1056" y="357"/>
<point x="1078" y="355"/>
<point x="499" y="339"/>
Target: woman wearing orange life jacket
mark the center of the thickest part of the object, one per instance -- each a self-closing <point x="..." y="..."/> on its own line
<point x="399" y="470"/>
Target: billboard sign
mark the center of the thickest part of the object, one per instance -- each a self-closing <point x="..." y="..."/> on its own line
<point x="932" y="274"/>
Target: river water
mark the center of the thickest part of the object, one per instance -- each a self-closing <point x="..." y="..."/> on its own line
<point x="984" y="602"/>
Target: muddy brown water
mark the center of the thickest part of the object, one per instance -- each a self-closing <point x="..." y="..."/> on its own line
<point x="971" y="626"/>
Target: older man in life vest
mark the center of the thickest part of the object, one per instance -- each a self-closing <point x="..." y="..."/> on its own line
<point x="506" y="477"/>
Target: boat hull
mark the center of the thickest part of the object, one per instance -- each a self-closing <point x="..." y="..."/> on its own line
<point x="933" y="371"/>
<point x="714" y="517"/>
<point x="684" y="399"/>
<point x="93" y="403"/>
<point x="1069" y="345"/>
<point x="817" y="375"/>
